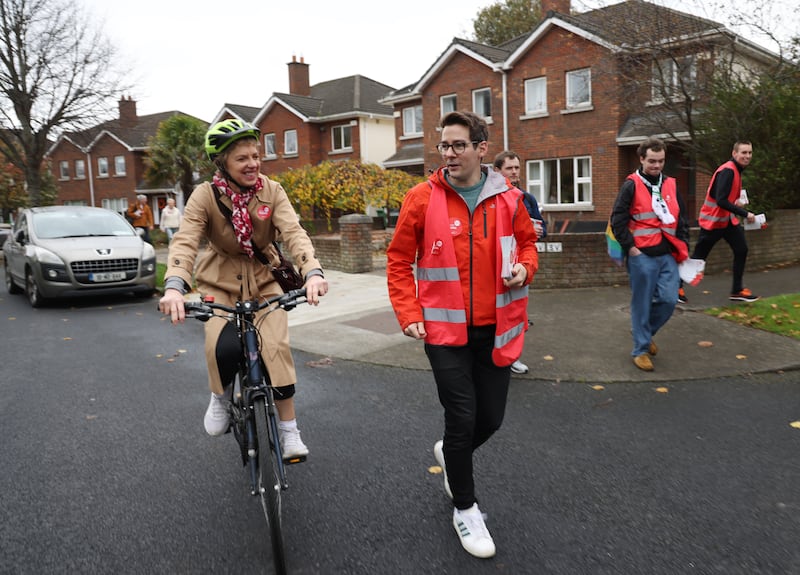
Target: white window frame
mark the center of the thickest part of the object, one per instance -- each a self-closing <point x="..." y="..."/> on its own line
<point x="536" y="96"/>
<point x="539" y="175"/>
<point x="482" y="102"/>
<point x="63" y="170"/>
<point x="119" y="166"/>
<point x="342" y="138"/>
<point x="584" y="77"/>
<point x="80" y="170"/>
<point x="448" y="103"/>
<point x="670" y="77"/>
<point x="290" y="143"/>
<point x="412" y="121"/>
<point x="270" y="152"/>
<point x="102" y="167"/>
<point x="119" y="205"/>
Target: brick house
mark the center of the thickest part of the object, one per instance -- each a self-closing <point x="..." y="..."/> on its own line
<point x="340" y="119"/>
<point x="104" y="165"/>
<point x="574" y="97"/>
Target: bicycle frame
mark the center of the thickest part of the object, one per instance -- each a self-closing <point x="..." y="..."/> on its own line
<point x="254" y="380"/>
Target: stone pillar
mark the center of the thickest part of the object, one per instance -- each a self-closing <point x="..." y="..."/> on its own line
<point x="356" y="246"/>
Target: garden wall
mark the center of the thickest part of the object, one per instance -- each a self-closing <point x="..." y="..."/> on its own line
<point x="580" y="259"/>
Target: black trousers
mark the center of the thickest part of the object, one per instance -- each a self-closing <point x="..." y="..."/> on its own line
<point x="734" y="235"/>
<point x="473" y="393"/>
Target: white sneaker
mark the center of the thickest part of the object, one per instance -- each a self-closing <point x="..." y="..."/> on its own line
<point x="519" y="367"/>
<point x="218" y="416"/>
<point x="291" y="444"/>
<point x="472" y="532"/>
<point x="439" y="455"/>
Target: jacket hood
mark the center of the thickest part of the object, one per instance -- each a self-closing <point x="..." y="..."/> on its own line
<point x="496" y="183"/>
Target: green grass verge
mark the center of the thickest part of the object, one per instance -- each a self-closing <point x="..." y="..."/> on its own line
<point x="161" y="269"/>
<point x="779" y="314"/>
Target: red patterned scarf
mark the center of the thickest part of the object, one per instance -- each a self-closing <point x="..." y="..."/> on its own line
<point x="240" y="217"/>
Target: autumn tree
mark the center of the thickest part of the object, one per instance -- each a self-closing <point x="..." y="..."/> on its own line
<point x="56" y="73"/>
<point x="176" y="154"/>
<point x="344" y="187"/>
<point x="505" y="20"/>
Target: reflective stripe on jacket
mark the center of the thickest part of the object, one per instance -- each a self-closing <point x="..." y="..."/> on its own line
<point x="645" y="227"/>
<point x="711" y="215"/>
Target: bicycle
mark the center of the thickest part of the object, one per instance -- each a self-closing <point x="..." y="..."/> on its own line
<point x="254" y="419"/>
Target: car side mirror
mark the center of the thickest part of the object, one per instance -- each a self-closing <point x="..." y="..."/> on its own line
<point x="20" y="237"/>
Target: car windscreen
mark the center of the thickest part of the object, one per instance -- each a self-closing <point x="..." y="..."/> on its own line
<point x="52" y="225"/>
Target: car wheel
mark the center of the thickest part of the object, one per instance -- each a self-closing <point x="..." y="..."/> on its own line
<point x="32" y="289"/>
<point x="11" y="287"/>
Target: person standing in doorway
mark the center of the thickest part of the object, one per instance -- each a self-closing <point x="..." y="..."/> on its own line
<point x="650" y="224"/>
<point x="474" y="258"/>
<point x="170" y="219"/>
<point x="508" y="164"/>
<point x="720" y="218"/>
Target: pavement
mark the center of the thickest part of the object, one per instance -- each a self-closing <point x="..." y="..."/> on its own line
<point x="579" y="335"/>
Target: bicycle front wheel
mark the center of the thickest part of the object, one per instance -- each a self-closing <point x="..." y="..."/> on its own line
<point x="269" y="485"/>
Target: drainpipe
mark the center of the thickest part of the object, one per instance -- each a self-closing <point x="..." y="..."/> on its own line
<point x="91" y="178"/>
<point x="505" y="110"/>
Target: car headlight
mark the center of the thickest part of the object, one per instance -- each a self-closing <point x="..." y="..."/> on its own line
<point x="149" y="252"/>
<point x="46" y="256"/>
<point x="52" y="267"/>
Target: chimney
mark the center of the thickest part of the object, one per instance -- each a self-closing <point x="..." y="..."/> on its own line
<point x="298" y="77"/>
<point x="560" y="6"/>
<point x="127" y="113"/>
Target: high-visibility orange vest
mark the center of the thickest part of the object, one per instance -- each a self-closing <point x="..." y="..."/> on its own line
<point x="645" y="227"/>
<point x="712" y="216"/>
<point x="439" y="283"/>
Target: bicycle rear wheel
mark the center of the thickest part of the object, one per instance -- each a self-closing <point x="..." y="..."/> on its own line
<point x="269" y="485"/>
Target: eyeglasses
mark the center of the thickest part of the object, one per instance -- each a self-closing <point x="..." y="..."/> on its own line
<point x="458" y="147"/>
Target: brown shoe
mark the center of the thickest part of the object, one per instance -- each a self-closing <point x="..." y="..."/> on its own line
<point x="643" y="362"/>
<point x="653" y="349"/>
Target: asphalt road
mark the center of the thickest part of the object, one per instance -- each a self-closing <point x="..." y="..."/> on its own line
<point x="106" y="468"/>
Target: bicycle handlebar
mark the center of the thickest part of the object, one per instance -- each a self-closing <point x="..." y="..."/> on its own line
<point x="203" y="311"/>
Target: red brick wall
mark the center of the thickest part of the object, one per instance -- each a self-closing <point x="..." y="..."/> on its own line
<point x="110" y="187"/>
<point x="584" y="262"/>
<point x="314" y="141"/>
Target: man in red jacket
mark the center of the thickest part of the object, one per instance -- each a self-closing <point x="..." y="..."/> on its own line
<point x="468" y="234"/>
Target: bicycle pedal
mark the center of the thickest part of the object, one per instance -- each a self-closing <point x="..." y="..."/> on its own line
<point x="293" y="460"/>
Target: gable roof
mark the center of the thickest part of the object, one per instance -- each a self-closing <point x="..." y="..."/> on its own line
<point x="244" y="113"/>
<point x="343" y="97"/>
<point x="134" y="137"/>
<point x="644" y="24"/>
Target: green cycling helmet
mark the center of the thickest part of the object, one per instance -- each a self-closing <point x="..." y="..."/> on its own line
<point x="223" y="134"/>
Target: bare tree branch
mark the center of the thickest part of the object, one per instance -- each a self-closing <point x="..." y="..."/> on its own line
<point x="56" y="73"/>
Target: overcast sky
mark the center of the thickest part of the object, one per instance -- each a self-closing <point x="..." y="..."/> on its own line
<point x="196" y="55"/>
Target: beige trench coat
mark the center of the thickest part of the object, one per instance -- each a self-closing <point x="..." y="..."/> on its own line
<point x="228" y="274"/>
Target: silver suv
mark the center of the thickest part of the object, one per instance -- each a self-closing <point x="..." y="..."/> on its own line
<point x="62" y="251"/>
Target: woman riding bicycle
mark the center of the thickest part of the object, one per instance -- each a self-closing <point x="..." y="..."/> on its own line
<point x="239" y="212"/>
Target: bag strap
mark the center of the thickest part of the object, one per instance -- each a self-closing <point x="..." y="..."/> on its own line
<point x="228" y="213"/>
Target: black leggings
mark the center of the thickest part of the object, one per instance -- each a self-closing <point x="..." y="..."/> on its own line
<point x="228" y="352"/>
<point x="734" y="235"/>
<point x="473" y="392"/>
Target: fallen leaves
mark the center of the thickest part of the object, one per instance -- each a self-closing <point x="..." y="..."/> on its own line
<point x="548" y="358"/>
<point x="324" y="362"/>
<point x="741" y="356"/>
<point x="795" y="424"/>
<point x="435" y="469"/>
<point x="662" y="390"/>
<point x="705" y="343"/>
